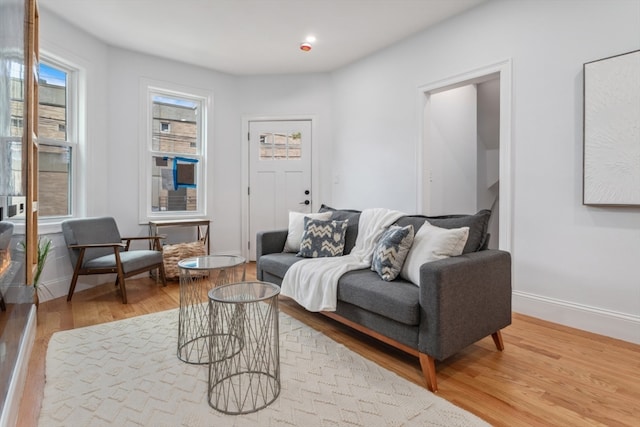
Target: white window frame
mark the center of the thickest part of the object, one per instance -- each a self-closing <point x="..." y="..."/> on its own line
<point x="149" y="88"/>
<point x="75" y="140"/>
<point x="72" y="131"/>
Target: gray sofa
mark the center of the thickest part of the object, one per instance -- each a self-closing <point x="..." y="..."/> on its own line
<point x="459" y="301"/>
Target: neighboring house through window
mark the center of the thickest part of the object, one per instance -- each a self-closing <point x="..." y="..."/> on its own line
<point x="57" y="138"/>
<point x="57" y="135"/>
<point x="174" y="149"/>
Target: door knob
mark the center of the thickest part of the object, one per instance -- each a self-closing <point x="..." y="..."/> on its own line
<point x="306" y="202"/>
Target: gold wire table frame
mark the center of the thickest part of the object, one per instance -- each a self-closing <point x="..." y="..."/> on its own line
<point x="244" y="349"/>
<point x="198" y="275"/>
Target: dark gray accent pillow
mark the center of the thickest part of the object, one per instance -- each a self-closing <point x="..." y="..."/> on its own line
<point x="477" y="223"/>
<point x="322" y="238"/>
<point x="352" y="229"/>
<point x="391" y="251"/>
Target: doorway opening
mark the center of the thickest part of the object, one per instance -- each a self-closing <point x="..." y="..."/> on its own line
<point x="465" y="148"/>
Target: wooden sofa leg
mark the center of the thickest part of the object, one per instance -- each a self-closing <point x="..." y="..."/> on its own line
<point x="428" y="365"/>
<point x="497" y="339"/>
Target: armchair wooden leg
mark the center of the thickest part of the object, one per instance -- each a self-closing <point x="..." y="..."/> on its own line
<point x="497" y="339"/>
<point x="124" y="290"/>
<point x="120" y="273"/>
<point x="76" y="272"/>
<point x="162" y="276"/>
<point x="72" y="286"/>
<point x="428" y="365"/>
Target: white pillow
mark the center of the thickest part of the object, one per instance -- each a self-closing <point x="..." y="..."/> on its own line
<point x="296" y="228"/>
<point x="432" y="243"/>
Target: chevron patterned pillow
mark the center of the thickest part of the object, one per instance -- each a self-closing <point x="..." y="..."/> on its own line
<point x="322" y="238"/>
<point x="296" y="228"/>
<point x="391" y="250"/>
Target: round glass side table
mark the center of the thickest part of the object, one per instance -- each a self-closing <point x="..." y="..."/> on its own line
<point x="197" y="276"/>
<point x="244" y="348"/>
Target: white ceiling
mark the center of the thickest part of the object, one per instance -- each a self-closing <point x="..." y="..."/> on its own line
<point x="248" y="37"/>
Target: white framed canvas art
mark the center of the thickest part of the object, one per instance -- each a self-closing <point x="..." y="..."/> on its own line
<point x="612" y="131"/>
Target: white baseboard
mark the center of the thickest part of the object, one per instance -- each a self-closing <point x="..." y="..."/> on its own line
<point x="9" y="415"/>
<point x="57" y="289"/>
<point x="613" y="324"/>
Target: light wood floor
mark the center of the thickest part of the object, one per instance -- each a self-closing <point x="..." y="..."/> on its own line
<point x="548" y="375"/>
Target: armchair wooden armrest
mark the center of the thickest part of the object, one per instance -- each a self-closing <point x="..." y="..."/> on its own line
<point x="156" y="241"/>
<point x="97" y="245"/>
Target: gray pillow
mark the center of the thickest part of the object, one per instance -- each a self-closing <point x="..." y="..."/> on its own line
<point x="322" y="238"/>
<point x="391" y="251"/>
<point x="477" y="223"/>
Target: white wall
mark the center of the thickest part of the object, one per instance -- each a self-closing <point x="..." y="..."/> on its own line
<point x="572" y="264"/>
<point x="126" y="69"/>
<point x="452" y="151"/>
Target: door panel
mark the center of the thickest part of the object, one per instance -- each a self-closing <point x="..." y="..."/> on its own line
<point x="294" y="197"/>
<point x="265" y="185"/>
<point x="279" y="174"/>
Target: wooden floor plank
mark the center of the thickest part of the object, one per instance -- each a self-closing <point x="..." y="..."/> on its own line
<point x="548" y="374"/>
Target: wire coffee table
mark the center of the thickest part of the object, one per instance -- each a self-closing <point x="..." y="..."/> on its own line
<point x="197" y="276"/>
<point x="244" y="352"/>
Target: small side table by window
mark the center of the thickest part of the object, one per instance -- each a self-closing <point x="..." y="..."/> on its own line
<point x="197" y="276"/>
<point x="202" y="227"/>
<point x="244" y="352"/>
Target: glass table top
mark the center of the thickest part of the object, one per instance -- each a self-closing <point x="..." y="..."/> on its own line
<point x="244" y="292"/>
<point x="211" y="262"/>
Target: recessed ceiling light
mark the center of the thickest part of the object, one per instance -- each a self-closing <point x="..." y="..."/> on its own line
<point x="310" y="39"/>
<point x="305" y="46"/>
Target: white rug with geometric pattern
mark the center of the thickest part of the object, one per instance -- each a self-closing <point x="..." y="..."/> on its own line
<point x="126" y="373"/>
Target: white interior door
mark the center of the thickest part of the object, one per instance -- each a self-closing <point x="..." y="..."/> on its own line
<point x="279" y="174"/>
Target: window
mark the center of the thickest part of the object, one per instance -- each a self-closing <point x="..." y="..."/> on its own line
<point x="57" y="138"/>
<point x="174" y="149"/>
<point x="57" y="135"/>
<point x="17" y="122"/>
<point x="280" y="146"/>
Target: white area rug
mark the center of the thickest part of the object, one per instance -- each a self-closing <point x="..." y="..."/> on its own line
<point x="126" y="373"/>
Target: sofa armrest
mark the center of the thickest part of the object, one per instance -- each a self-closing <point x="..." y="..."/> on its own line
<point x="270" y="242"/>
<point x="462" y="300"/>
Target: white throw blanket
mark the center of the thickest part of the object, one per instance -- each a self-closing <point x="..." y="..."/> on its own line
<point x="313" y="282"/>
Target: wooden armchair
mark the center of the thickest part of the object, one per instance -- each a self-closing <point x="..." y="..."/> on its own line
<point x="96" y="247"/>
